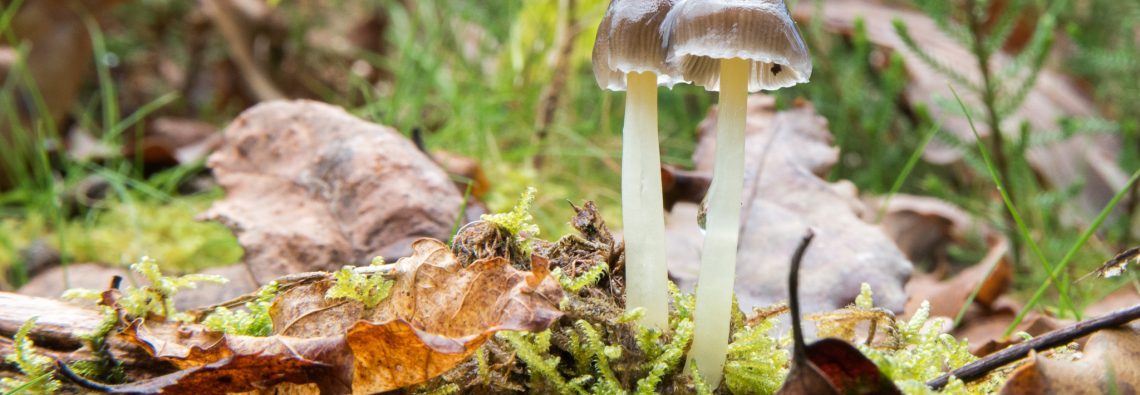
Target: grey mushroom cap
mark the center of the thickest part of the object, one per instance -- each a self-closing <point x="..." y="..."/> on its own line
<point x="630" y="40"/>
<point x="702" y="32"/>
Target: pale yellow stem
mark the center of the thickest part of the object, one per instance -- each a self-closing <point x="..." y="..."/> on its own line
<point x="642" y="211"/>
<point x="718" y="257"/>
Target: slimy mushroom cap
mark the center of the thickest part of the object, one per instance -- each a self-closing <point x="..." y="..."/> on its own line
<point x="630" y="40"/>
<point x="702" y="32"/>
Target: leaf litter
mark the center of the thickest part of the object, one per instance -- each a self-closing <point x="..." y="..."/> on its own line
<point x="438" y="314"/>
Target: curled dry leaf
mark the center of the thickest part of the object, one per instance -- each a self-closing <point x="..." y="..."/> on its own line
<point x="786" y="154"/>
<point x="1108" y="365"/>
<point x="343" y="190"/>
<point x="438" y="313"/>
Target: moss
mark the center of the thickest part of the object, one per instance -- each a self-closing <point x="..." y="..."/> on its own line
<point x="367" y="289"/>
<point x="124" y="232"/>
<point x="589" y="278"/>
<point x="757" y="362"/>
<point x="253" y="321"/>
<point x="518" y="222"/>
<point x="157" y="297"/>
<point x="37" y="368"/>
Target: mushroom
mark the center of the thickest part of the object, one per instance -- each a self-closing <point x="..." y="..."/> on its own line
<point x="629" y="55"/>
<point x="734" y="47"/>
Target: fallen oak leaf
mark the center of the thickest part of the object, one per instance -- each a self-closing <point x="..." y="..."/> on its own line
<point x="437" y="315"/>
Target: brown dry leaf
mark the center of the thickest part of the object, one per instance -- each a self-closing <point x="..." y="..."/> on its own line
<point x="922" y="226"/>
<point x="785" y="154"/>
<point x="1109" y="364"/>
<point x="835" y="367"/>
<point x="1083" y="158"/>
<point x="947" y="297"/>
<point x="170" y="141"/>
<point x="343" y="190"/>
<point x="438" y="313"/>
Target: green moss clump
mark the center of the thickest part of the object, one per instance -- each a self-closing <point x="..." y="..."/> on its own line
<point x="757" y="362"/>
<point x="589" y="278"/>
<point x="253" y="321"/>
<point x="157" y="297"/>
<point x="37" y="368"/>
<point x="367" y="289"/>
<point x="125" y="231"/>
<point x="518" y="222"/>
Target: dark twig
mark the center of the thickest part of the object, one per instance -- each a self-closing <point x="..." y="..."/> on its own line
<point x="794" y="294"/>
<point x="980" y="368"/>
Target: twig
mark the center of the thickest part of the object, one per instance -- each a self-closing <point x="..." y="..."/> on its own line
<point x="980" y="368"/>
<point x="221" y="12"/>
<point x="794" y="295"/>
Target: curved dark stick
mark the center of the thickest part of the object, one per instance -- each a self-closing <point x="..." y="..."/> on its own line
<point x="800" y="353"/>
<point x="980" y="368"/>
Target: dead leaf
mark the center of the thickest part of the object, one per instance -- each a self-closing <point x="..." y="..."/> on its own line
<point x="1118" y="264"/>
<point x="437" y="315"/>
<point x="994" y="274"/>
<point x="1084" y="158"/>
<point x="836" y="367"/>
<point x="1108" y="365"/>
<point x="343" y="190"/>
<point x="171" y="141"/>
<point x="786" y="152"/>
<point x="922" y="226"/>
<point x="985" y="327"/>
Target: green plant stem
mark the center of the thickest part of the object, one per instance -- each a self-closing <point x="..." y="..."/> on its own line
<point x="718" y="257"/>
<point x="989" y="100"/>
<point x="643" y="213"/>
<point x="1072" y="253"/>
<point x="910" y="164"/>
<point x="1013" y="212"/>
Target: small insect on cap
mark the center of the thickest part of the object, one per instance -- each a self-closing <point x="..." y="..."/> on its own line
<point x="702" y="32"/>
<point x="630" y="41"/>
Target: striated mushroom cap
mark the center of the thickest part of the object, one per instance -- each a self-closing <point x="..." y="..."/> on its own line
<point x="630" y="40"/>
<point x="702" y="32"/>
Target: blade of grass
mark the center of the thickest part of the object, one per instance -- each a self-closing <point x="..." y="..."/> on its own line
<point x="910" y="163"/>
<point x="1072" y="252"/>
<point x="106" y="84"/>
<point x="142" y="113"/>
<point x="1021" y="227"/>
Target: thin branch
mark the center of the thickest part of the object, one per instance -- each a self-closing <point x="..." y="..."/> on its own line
<point x="982" y="367"/>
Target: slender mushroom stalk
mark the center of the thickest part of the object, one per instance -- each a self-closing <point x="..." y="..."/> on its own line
<point x="734" y="47"/>
<point x="629" y="55"/>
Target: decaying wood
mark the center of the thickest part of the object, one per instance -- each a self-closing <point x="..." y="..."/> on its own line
<point x="58" y="331"/>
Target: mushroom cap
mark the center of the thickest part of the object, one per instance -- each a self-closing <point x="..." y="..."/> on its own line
<point x="702" y="32"/>
<point x="630" y="40"/>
